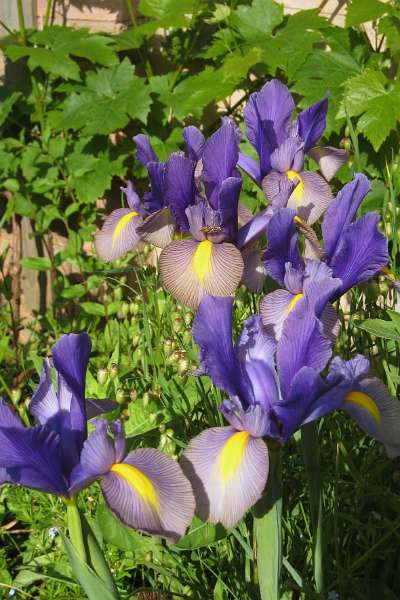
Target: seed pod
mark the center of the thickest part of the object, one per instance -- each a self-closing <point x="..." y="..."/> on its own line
<point x="188" y="318"/>
<point x="102" y="375"/>
<point x="118" y="293"/>
<point x="168" y="346"/>
<point x="120" y="396"/>
<point x="152" y="418"/>
<point x="125" y="309"/>
<point x="113" y="371"/>
<point x="134" y="308"/>
<point x="178" y="324"/>
<point x="187" y="336"/>
<point x="133" y="395"/>
<point x="146" y="399"/>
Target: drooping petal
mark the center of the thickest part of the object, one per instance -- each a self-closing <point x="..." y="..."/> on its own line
<point x="258" y="421"/>
<point x="312" y="123"/>
<point x="158" y="228"/>
<point x="194" y="142"/>
<point x="228" y="470"/>
<point x="377" y="412"/>
<point x="277" y="188"/>
<point x="311" y="196"/>
<point x="361" y="253"/>
<point x="251" y="167"/>
<point x="145" y="152"/>
<point x="148" y="491"/>
<point x="179" y="187"/>
<point x="342" y="211"/>
<point x="132" y="198"/>
<point x="347" y="371"/>
<point x="220" y="157"/>
<point x="282" y="245"/>
<point x="118" y="235"/>
<point x="254" y="229"/>
<point x="274" y="308"/>
<point x="329" y="159"/>
<point x="95" y="407"/>
<point x="212" y="331"/>
<point x="244" y="214"/>
<point x="330" y="323"/>
<point x="191" y="270"/>
<point x="32" y="458"/>
<point x="254" y="272"/>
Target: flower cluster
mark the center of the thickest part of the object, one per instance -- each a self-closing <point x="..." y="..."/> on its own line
<point x="273" y="373"/>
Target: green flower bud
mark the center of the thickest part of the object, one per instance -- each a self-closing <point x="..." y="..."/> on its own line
<point x="123" y="279"/>
<point x="133" y="395"/>
<point x="152" y="417"/>
<point x="178" y="324"/>
<point x="162" y="428"/>
<point x="120" y="396"/>
<point x="135" y="340"/>
<point x="146" y="399"/>
<point x="170" y="433"/>
<point x="102" y="375"/>
<point x="118" y="293"/>
<point x="168" y="346"/>
<point x="134" y="308"/>
<point x="187" y="336"/>
<point x="148" y="557"/>
<point x="113" y="371"/>
<point x="125" y="309"/>
<point x="183" y="363"/>
<point x="188" y="319"/>
<point x="15" y="396"/>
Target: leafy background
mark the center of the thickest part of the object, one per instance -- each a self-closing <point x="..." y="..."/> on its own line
<point x="69" y="107"/>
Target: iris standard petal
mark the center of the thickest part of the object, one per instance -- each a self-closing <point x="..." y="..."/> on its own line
<point x="212" y="332"/>
<point x="118" y="235"/>
<point x="228" y="206"/>
<point x="377" y="412"/>
<point x="191" y="270"/>
<point x="144" y="152"/>
<point x="329" y="159"/>
<point x="179" y="187"/>
<point x="149" y="492"/>
<point x="254" y="272"/>
<point x="289" y="155"/>
<point x="254" y="229"/>
<point x="70" y="358"/>
<point x="158" y="228"/>
<point x="312" y="123"/>
<point x="44" y="404"/>
<point x="311" y="196"/>
<point x="220" y="157"/>
<point x="194" y="142"/>
<point x="251" y="167"/>
<point x="132" y="198"/>
<point x="282" y="245"/>
<point x="342" y="212"/>
<point x="155" y="199"/>
<point x="228" y="470"/>
<point x="361" y="253"/>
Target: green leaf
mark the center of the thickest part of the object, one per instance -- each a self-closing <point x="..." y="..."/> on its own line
<point x="94" y="587"/>
<point x="361" y="11"/>
<point x="36" y="263"/>
<point x="257" y="21"/>
<point x="121" y="536"/>
<point x="174" y="12"/>
<point x="74" y="291"/>
<point x="381" y="328"/>
<point x="201" y="534"/>
<point x="111" y="97"/>
<point x="7" y="105"/>
<point x="93" y="308"/>
<point x="51" y="61"/>
<point x="390" y="27"/>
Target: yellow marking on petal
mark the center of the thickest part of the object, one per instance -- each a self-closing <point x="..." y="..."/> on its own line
<point x="138" y="481"/>
<point x="122" y="223"/>
<point x="365" y="402"/>
<point x="201" y="261"/>
<point x="388" y="272"/>
<point x="231" y="455"/>
<point x="294" y="301"/>
<point x="298" y="191"/>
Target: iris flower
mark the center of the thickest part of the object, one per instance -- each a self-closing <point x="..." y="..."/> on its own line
<point x="281" y="143"/>
<point x="202" y="192"/>
<point x="148" y="220"/>
<point x="353" y="251"/>
<point x="144" y="488"/>
<point x="273" y="390"/>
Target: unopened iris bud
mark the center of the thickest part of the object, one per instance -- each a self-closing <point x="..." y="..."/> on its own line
<point x="125" y="309"/>
<point x="162" y="428"/>
<point x="148" y="557"/>
<point x="187" y="336"/>
<point x="146" y="250"/>
<point x="347" y="144"/>
<point x="170" y="433"/>
<point x="170" y="447"/>
<point x="183" y="364"/>
<point x="102" y="375"/>
<point x="146" y="399"/>
<point x="113" y="371"/>
<point x="118" y="293"/>
<point x="133" y="395"/>
<point x="152" y="417"/>
<point x="188" y="319"/>
<point x="134" y="308"/>
<point x="124" y="415"/>
<point x="168" y="346"/>
<point x="123" y="279"/>
<point x="173" y="359"/>
<point x="15" y="396"/>
<point x="178" y="324"/>
<point x="135" y="340"/>
<point x="120" y="396"/>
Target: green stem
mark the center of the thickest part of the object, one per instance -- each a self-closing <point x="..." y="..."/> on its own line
<point x="48" y="11"/>
<point x="75" y="528"/>
<point x="21" y="21"/>
<point x="311" y="457"/>
<point x="268" y="531"/>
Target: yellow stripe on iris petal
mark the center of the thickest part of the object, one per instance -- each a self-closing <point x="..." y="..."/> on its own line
<point x="294" y="301"/>
<point x="138" y="481"/>
<point x="231" y="455"/>
<point x="298" y="191"/>
<point x="122" y="223"/>
<point x="201" y="261"/>
<point x="366" y="402"/>
<point x="388" y="272"/>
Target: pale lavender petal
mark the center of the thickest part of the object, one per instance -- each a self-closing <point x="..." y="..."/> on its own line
<point x="149" y="492"/>
<point x="118" y="235"/>
<point x="257" y="420"/>
<point x="228" y="471"/>
<point x="347" y="371"/>
<point x="277" y="188"/>
<point x="329" y="159"/>
<point x="311" y="197"/>
<point x="132" y="198"/>
<point x="274" y="309"/>
<point x="158" y="228"/>
<point x="330" y="323"/>
<point x="289" y="155"/>
<point x="244" y="214"/>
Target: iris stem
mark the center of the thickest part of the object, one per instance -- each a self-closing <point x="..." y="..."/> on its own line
<point x="311" y="458"/>
<point x="268" y="531"/>
<point x="75" y="528"/>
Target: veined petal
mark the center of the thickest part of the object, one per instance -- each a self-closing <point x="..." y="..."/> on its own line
<point x="277" y="188"/>
<point x="329" y="159"/>
<point x="191" y="270"/>
<point x="274" y="308"/>
<point x="377" y="412"/>
<point x="342" y="212"/>
<point x="158" y="228"/>
<point x="145" y="152"/>
<point x="95" y="407"/>
<point x="194" y="142"/>
<point x="312" y="123"/>
<point x="282" y="245"/>
<point x="8" y="416"/>
<point x="254" y="229"/>
<point x="311" y="196"/>
<point x="251" y="167"/>
<point x="132" y="198"/>
<point x="179" y="187"/>
<point x="289" y="155"/>
<point x="228" y="470"/>
<point x="118" y="234"/>
<point x="148" y="491"/>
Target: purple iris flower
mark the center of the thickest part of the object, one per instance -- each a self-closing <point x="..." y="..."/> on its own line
<point x="202" y="192"/>
<point x="353" y="251"/>
<point x="281" y="143"/>
<point x="144" y="488"/>
<point x="274" y="389"/>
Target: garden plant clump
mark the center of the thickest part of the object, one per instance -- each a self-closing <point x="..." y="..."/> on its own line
<point x="200" y="401"/>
